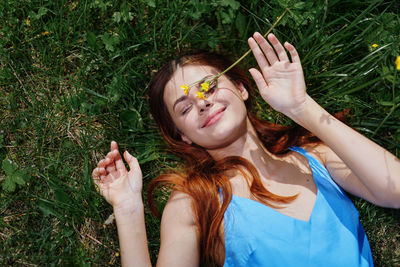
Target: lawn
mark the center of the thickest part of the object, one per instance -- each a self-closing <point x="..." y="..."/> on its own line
<point x="74" y="76"/>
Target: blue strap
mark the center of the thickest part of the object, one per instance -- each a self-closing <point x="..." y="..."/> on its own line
<point x="317" y="167"/>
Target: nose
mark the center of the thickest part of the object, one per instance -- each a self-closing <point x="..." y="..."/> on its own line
<point x="204" y="105"/>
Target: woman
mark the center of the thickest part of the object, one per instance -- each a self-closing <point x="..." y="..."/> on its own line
<point x="251" y="193"/>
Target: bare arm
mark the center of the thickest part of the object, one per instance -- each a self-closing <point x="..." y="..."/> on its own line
<point x="355" y="162"/>
<point x="179" y="236"/>
<point x="132" y="236"/>
<point x="179" y="239"/>
<point x="123" y="190"/>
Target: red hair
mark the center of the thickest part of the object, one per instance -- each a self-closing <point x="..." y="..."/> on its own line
<point x="201" y="176"/>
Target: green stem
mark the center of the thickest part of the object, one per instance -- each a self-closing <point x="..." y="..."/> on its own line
<point x="249" y="51"/>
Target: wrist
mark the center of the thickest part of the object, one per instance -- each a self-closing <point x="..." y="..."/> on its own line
<point x="129" y="207"/>
<point x="305" y="116"/>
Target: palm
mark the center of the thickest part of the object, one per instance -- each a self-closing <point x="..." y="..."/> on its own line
<point x="284" y="87"/>
<point x="119" y="187"/>
<point x="281" y="82"/>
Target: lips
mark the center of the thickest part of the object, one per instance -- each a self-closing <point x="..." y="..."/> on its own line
<point x="214" y="117"/>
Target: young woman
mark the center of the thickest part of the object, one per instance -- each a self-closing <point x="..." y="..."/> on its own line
<point x="251" y="193"/>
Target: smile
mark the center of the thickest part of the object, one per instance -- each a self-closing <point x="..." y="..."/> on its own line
<point x="213" y="118"/>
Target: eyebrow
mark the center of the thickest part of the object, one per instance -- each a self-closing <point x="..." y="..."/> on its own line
<point x="184" y="97"/>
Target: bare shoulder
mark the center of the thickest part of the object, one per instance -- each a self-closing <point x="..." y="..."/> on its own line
<point x="179" y="206"/>
<point x="319" y="151"/>
<point x="179" y="235"/>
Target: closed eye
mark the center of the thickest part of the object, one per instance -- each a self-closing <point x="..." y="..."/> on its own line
<point x="211" y="90"/>
<point x="186" y="109"/>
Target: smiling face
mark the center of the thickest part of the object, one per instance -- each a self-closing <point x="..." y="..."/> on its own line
<point x="213" y="122"/>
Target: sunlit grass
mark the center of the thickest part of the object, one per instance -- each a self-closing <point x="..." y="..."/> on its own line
<point x="66" y="94"/>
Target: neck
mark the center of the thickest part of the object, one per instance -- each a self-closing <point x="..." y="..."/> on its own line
<point x="250" y="147"/>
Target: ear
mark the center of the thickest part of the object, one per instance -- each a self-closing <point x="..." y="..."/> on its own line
<point x="243" y="91"/>
<point x="185" y="139"/>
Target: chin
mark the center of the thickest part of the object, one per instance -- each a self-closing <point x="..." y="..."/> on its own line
<point x="225" y="133"/>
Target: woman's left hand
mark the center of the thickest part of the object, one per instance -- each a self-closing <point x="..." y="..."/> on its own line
<point x="281" y="82"/>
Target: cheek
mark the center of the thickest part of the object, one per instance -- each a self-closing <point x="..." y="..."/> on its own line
<point x="186" y="123"/>
<point x="224" y="94"/>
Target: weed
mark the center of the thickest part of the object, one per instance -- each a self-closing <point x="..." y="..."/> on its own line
<point x="74" y="76"/>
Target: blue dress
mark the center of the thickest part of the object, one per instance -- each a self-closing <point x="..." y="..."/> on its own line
<point x="257" y="235"/>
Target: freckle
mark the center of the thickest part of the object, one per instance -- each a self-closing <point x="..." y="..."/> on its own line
<point x="308" y="180"/>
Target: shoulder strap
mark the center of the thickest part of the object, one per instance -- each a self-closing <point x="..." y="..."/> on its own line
<point x="317" y="167"/>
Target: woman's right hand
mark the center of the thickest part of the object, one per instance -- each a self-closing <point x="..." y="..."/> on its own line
<point x="120" y="187"/>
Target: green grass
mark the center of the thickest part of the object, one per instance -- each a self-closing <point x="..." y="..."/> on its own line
<point x="66" y="94"/>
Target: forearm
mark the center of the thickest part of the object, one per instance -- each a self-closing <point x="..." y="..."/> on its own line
<point x="377" y="169"/>
<point x="132" y="235"/>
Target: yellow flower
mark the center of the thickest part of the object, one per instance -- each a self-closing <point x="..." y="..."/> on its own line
<point x="28" y="22"/>
<point x="205" y="86"/>
<point x="397" y="62"/>
<point x="116" y="254"/>
<point x="185" y="89"/>
<point x="200" y="95"/>
<point x="374" y="45"/>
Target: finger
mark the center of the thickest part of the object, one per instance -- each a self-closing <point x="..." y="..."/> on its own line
<point x="102" y="172"/>
<point x="111" y="168"/>
<point x="101" y="163"/>
<point x="113" y="175"/>
<point x="109" y="160"/>
<point x="113" y="146"/>
<point x="132" y="161"/>
<point x="259" y="79"/>
<point x="119" y="164"/>
<point x="278" y="47"/>
<point x="108" y="163"/>
<point x="293" y="52"/>
<point x="258" y="54"/>
<point x="110" y="155"/>
<point x="266" y="48"/>
<point x="107" y="179"/>
<point x="95" y="173"/>
<point x="97" y="185"/>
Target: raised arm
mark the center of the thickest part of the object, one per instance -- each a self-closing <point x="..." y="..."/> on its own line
<point x="123" y="190"/>
<point x="375" y="172"/>
<point x="359" y="165"/>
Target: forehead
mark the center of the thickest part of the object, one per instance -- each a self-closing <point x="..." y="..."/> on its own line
<point x="184" y="76"/>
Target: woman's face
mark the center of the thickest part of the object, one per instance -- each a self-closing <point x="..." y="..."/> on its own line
<point x="213" y="122"/>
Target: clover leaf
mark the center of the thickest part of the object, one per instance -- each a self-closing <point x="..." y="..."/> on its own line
<point x="14" y="176"/>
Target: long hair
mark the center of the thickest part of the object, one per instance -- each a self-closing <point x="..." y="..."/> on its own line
<point x="204" y="178"/>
